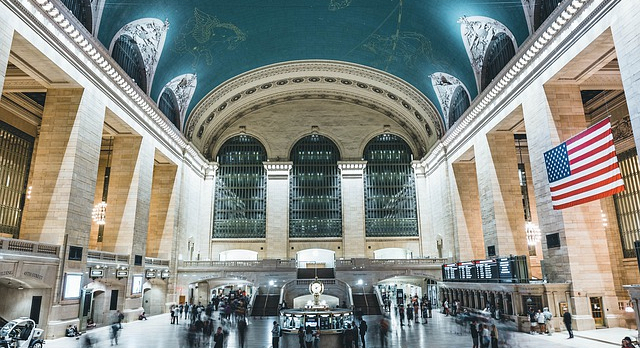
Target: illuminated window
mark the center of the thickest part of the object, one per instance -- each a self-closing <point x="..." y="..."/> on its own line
<point x="390" y="196"/>
<point x="626" y="202"/>
<point x="315" y="197"/>
<point x="240" y="196"/>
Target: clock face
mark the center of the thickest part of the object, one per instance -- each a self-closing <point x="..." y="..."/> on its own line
<point x="316" y="287"/>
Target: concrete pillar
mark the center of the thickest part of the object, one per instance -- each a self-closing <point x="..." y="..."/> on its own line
<point x="277" y="239"/>
<point x="127" y="216"/>
<point x="552" y="114"/>
<point x="626" y="38"/>
<point x="500" y="194"/>
<point x="6" y="37"/>
<point x="353" y="215"/>
<point x="467" y="201"/>
<point x="162" y="211"/>
<point x="422" y="202"/>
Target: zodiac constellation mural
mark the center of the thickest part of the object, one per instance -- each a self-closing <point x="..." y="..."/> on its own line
<point x="445" y="85"/>
<point x="204" y="33"/>
<point x="335" y="5"/>
<point x="404" y="47"/>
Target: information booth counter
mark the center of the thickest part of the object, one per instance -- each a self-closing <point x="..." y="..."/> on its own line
<point x="330" y="322"/>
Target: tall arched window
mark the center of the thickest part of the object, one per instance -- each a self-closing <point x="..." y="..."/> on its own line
<point x="459" y="103"/>
<point x="389" y="188"/>
<point x="127" y="54"/>
<point x="498" y="54"/>
<point x="315" y="199"/>
<point x="542" y="10"/>
<point x="168" y="104"/>
<point x="240" y="193"/>
<point x="81" y="9"/>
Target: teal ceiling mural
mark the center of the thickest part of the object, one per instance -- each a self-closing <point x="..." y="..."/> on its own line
<point x="217" y="40"/>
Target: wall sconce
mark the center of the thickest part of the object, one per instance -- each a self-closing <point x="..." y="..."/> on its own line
<point x="96" y="272"/>
<point x="164" y="274"/>
<point x="122" y="272"/>
<point x="150" y="273"/>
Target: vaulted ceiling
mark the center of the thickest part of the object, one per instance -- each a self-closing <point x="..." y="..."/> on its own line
<point x="407" y="41"/>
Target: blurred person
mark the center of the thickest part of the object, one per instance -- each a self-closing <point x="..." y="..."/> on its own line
<point x="218" y="338"/>
<point x="242" y="330"/>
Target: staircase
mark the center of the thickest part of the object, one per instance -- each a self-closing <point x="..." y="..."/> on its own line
<point x="366" y="303"/>
<point x="265" y="305"/>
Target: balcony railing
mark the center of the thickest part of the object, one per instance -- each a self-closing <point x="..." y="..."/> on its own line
<point x="22" y="247"/>
<point x="340" y="264"/>
<point x="152" y="261"/>
<point x="96" y="255"/>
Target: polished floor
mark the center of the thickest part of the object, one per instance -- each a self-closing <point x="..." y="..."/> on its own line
<point x="157" y="332"/>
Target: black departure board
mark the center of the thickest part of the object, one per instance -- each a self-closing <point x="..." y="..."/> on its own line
<point x="504" y="269"/>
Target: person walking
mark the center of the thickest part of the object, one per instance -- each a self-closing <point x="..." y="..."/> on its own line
<point x="356" y="337"/>
<point x="566" y="318"/>
<point x="486" y="336"/>
<point x="547" y="320"/>
<point x="242" y="330"/>
<point x="301" y="334"/>
<point x="401" y="314"/>
<point x="474" y="334"/>
<point x="348" y="337"/>
<point x="384" y="330"/>
<point x="308" y="337"/>
<point x="363" y="331"/>
<point x="276" y="332"/>
<point x="494" y="336"/>
<point x="218" y="338"/>
<point x="119" y="318"/>
<point x="114" y="333"/>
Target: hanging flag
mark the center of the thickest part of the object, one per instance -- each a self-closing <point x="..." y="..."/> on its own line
<point x="584" y="168"/>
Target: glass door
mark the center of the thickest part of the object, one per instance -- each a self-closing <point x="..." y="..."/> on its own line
<point x="596" y="310"/>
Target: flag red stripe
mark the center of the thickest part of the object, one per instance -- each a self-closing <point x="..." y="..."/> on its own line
<point x="584" y="178"/>
<point x="590" y="198"/>
<point x="600" y="149"/>
<point x="588" y="131"/>
<point x="586" y="166"/>
<point x="583" y="189"/>
<point x="588" y="142"/>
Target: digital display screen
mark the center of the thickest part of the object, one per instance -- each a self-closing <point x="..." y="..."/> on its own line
<point x="490" y="270"/>
<point x="72" y="286"/>
<point x="95" y="273"/>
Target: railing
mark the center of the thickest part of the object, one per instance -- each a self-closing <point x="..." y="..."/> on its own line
<point x="20" y="246"/>
<point x="152" y="261"/>
<point x="341" y="264"/>
<point x="270" y="264"/>
<point x="96" y="255"/>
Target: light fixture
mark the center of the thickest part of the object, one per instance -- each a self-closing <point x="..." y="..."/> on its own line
<point x="99" y="213"/>
<point x="533" y="233"/>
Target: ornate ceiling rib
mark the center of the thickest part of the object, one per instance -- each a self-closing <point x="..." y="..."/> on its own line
<point x="329" y="80"/>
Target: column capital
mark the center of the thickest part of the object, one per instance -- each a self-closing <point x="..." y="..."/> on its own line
<point x="210" y="171"/>
<point x="277" y="170"/>
<point x="352" y="169"/>
<point x="419" y="168"/>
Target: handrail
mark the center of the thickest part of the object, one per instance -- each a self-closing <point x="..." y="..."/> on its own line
<point x="153" y="261"/>
<point x="252" y="300"/>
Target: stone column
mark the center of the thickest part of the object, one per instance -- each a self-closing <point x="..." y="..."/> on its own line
<point x="162" y="215"/>
<point x="353" y="215"/>
<point x="500" y="194"/>
<point x="626" y="38"/>
<point x="552" y="115"/>
<point x="277" y="240"/>
<point x="6" y="37"/>
<point x="422" y="202"/>
<point x="130" y="182"/>
<point x="467" y="201"/>
<point x="63" y="179"/>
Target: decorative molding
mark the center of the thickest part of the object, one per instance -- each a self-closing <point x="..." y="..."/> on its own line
<point x="529" y="6"/>
<point x="444" y="85"/>
<point x="352" y="169"/>
<point x="183" y="87"/>
<point x="477" y="32"/>
<point x="150" y="35"/>
<point x="622" y="130"/>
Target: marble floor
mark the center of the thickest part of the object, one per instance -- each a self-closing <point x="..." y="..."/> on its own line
<point x="157" y="332"/>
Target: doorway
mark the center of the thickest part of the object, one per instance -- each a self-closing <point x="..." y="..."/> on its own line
<point x="596" y="311"/>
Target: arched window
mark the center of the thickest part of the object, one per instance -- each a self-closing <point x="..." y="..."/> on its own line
<point x="389" y="188"/>
<point x="127" y="54"/>
<point x="459" y="103"/>
<point x="315" y="199"/>
<point x="498" y="54"/>
<point x="542" y="10"/>
<point x="241" y="189"/>
<point x="168" y="104"/>
<point x="81" y="9"/>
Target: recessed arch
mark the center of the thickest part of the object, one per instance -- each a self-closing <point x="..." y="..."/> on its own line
<point x="128" y="55"/>
<point x="81" y="9"/>
<point x="311" y="258"/>
<point x="238" y="255"/>
<point x="168" y="104"/>
<point x="499" y="52"/>
<point x="392" y="253"/>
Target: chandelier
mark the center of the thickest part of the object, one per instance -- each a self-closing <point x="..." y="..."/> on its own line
<point x="533" y="233"/>
<point x="99" y="213"/>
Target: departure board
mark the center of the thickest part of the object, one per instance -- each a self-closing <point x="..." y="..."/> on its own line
<point x="490" y="270"/>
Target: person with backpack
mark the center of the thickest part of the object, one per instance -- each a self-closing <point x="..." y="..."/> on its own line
<point x="276" y="333"/>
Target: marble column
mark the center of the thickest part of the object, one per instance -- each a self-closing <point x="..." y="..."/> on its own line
<point x="626" y="38"/>
<point x="469" y="222"/>
<point x="277" y="240"/>
<point x="6" y="37"/>
<point x="500" y="194"/>
<point x="353" y="215"/>
<point x="553" y="114"/>
<point x="422" y="202"/>
<point x="162" y="211"/>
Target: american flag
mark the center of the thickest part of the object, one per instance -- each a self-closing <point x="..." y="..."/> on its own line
<point x="584" y="168"/>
